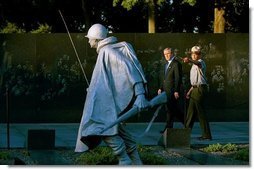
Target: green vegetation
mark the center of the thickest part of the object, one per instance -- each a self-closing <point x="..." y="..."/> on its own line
<point x="163" y="15"/>
<point x="104" y="156"/>
<point x="149" y="157"/>
<point x="11" y="28"/>
<point x="242" y="154"/>
<point x="25" y="152"/>
<point x="190" y="2"/>
<point x="43" y="28"/>
<point x="98" y="156"/>
<point x="232" y="150"/>
<point x="4" y="155"/>
<point x="221" y="148"/>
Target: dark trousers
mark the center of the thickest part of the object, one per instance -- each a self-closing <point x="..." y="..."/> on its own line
<point x="173" y="112"/>
<point x="196" y="109"/>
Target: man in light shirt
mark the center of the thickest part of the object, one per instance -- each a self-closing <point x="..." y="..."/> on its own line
<point x="197" y="93"/>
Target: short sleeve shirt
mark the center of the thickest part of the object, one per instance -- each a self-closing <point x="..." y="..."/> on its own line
<point x="197" y="74"/>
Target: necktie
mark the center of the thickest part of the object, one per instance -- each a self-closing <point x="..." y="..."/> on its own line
<point x="167" y="65"/>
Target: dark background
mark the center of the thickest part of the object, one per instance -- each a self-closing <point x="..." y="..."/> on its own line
<point x="46" y="86"/>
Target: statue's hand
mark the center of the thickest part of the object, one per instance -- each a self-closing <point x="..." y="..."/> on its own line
<point x="141" y="102"/>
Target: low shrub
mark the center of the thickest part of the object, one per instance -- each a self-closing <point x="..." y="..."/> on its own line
<point x="98" y="156"/>
<point x="105" y="156"/>
<point x="4" y="155"/>
<point x="151" y="159"/>
<point x="229" y="148"/>
<point x="242" y="154"/>
<point x="148" y="156"/>
<point x="221" y="148"/>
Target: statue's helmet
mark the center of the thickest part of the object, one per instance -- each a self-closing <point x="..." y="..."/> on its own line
<point x="97" y="31"/>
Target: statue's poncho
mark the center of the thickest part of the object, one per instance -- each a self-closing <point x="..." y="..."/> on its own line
<point x="116" y="72"/>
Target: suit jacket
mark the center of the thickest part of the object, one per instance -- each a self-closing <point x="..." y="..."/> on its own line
<point x="172" y="79"/>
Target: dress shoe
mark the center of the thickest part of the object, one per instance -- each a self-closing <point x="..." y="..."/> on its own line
<point x="204" y="138"/>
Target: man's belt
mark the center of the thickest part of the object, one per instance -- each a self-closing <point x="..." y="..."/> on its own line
<point x="200" y="85"/>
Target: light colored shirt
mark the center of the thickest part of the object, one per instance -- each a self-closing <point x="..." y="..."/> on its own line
<point x="197" y="74"/>
<point x="169" y="62"/>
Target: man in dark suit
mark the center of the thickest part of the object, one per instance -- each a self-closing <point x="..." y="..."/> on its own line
<point x="172" y="81"/>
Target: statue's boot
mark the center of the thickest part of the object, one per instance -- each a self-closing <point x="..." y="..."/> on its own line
<point x="119" y="149"/>
<point x="134" y="155"/>
<point x="124" y="159"/>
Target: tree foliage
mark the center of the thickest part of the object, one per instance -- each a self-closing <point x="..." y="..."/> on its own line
<point x="237" y="15"/>
<point x="11" y="28"/>
<point x="43" y="28"/>
<point x="128" y="4"/>
<point x="123" y="15"/>
<point x="190" y="2"/>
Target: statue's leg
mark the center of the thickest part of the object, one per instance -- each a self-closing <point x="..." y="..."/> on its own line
<point x="131" y="145"/>
<point x="134" y="155"/>
<point x="119" y="149"/>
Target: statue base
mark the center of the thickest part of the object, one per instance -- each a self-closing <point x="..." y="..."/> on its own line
<point x="176" y="138"/>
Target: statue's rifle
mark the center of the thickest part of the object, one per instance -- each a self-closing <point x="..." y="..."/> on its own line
<point x="158" y="100"/>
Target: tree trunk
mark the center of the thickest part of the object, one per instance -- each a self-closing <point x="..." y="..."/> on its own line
<point x="86" y="14"/>
<point x="151" y="17"/>
<point x="219" y="20"/>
